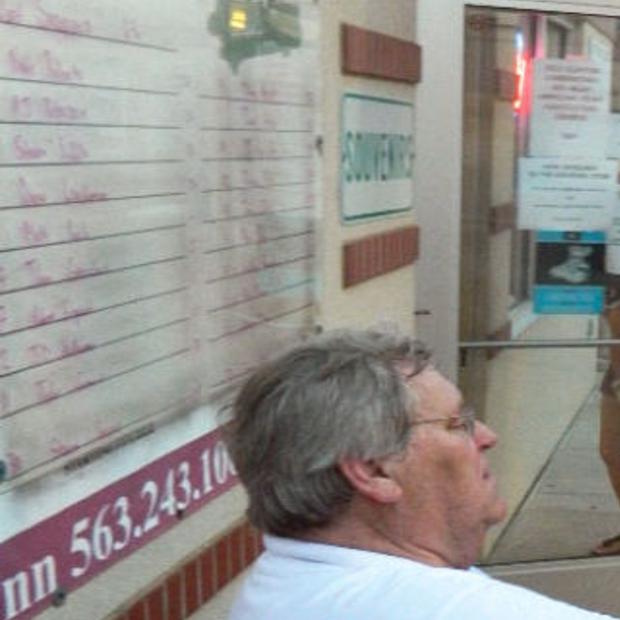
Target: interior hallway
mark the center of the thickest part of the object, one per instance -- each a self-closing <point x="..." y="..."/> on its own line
<point x="571" y="506"/>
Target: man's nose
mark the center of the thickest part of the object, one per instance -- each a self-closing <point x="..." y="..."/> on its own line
<point x="484" y="436"/>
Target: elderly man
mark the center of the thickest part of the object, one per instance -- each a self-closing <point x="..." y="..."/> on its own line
<point x="369" y="478"/>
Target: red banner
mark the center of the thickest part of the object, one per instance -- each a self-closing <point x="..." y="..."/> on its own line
<point x="41" y="565"/>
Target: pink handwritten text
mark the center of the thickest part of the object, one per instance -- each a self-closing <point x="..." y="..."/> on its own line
<point x="56" y="70"/>
<point x="268" y="92"/>
<point x="35" y="272"/>
<point x="15" y="463"/>
<point x="45" y="108"/>
<point x="131" y="31"/>
<point x="106" y="431"/>
<point x="68" y="310"/>
<point x="39" y="353"/>
<point x="45" y="390"/>
<point x="24" y="151"/>
<point x="20" y="63"/>
<point x="32" y="234"/>
<point x="27" y="196"/>
<point x="10" y="15"/>
<point x="40" y="316"/>
<point x="248" y="89"/>
<point x="59" y="448"/>
<point x="54" y="21"/>
<point x="77" y="232"/>
<point x="75" y="269"/>
<point x="71" y="150"/>
<point x="70" y="345"/>
<point x="68" y="149"/>
<point x="44" y="65"/>
<point x="81" y="193"/>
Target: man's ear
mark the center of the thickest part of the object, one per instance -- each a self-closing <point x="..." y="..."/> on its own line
<point x="370" y="479"/>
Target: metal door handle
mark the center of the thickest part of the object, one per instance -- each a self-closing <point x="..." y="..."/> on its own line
<point x="539" y="344"/>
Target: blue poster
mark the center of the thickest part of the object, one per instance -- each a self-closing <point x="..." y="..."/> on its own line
<point x="570" y="277"/>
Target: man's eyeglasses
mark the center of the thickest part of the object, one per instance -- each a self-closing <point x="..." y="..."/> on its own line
<point x="465" y="422"/>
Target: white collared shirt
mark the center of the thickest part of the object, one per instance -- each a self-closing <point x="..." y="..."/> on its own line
<point x="296" y="580"/>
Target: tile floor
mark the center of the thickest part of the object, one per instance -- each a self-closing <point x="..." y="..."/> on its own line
<point x="571" y="506"/>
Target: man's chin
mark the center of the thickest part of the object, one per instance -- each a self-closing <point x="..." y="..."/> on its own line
<point x="499" y="512"/>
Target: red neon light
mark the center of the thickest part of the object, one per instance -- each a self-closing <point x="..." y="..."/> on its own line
<point x="521" y="63"/>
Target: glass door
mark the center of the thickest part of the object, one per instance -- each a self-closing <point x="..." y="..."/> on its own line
<point x="540" y="273"/>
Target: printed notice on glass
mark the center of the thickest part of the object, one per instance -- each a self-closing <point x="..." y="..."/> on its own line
<point x="559" y="194"/>
<point x="570" y="108"/>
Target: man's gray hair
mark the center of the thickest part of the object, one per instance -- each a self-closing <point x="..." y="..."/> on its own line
<point x="341" y="395"/>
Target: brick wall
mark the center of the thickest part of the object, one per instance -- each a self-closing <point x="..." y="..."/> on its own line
<point x="191" y="584"/>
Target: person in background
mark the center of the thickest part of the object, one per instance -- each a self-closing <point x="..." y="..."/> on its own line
<point x="369" y="477"/>
<point x="609" y="437"/>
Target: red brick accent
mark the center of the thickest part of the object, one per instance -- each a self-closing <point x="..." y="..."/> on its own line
<point x="197" y="580"/>
<point x="207" y="575"/>
<point x="373" y="54"/>
<point x="137" y="612"/>
<point x="222" y="562"/>
<point x="249" y="546"/>
<point x="175" y="597"/>
<point x="155" y="604"/>
<point x="190" y="574"/>
<point x="376" y="255"/>
<point x="236" y="553"/>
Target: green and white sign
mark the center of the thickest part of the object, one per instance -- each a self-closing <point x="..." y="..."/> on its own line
<point x="376" y="157"/>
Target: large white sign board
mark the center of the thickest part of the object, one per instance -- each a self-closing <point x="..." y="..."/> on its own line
<point x="564" y="194"/>
<point x="157" y="196"/>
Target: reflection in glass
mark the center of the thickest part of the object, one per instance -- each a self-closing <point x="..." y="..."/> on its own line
<point x="540" y="262"/>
